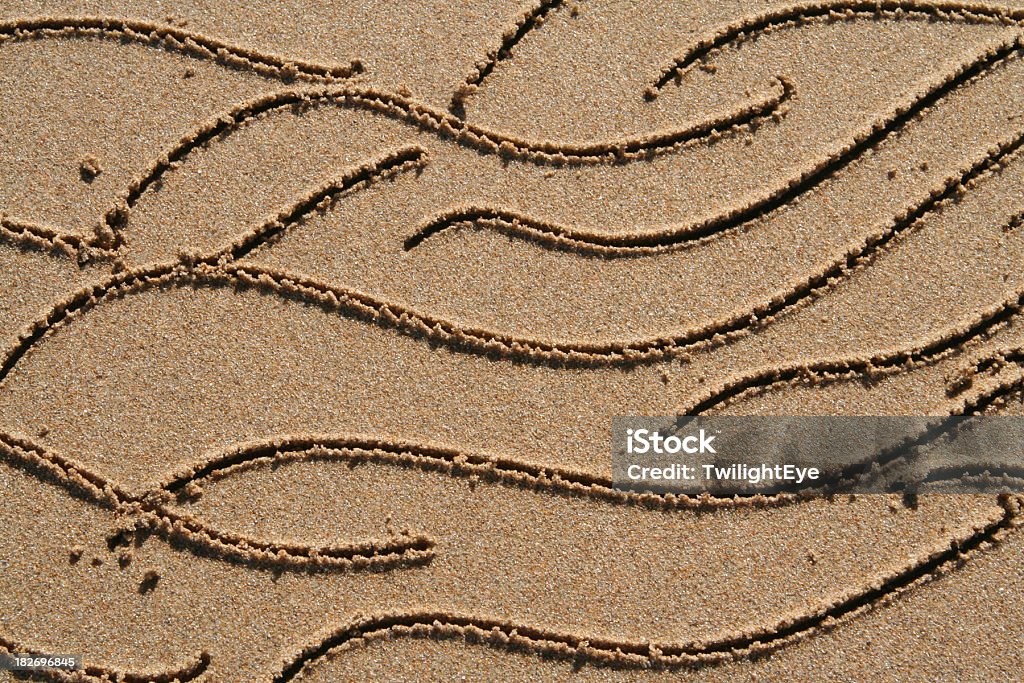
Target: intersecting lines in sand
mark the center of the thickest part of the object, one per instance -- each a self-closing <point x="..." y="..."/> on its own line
<point x="512" y="345"/>
<point x="553" y="235"/>
<point x="581" y="649"/>
<point x="948" y="342"/>
<point x="540" y="230"/>
<point x="748" y="28"/>
<point x="490" y="342"/>
<point x="964" y="396"/>
<point x="205" y="275"/>
<point x="147" y="513"/>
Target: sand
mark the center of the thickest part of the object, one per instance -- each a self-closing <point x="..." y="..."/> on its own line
<point x="314" y="319"/>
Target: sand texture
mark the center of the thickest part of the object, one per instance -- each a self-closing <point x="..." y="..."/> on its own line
<point x="314" y="317"/>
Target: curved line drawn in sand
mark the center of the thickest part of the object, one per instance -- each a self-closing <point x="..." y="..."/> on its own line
<point x="555" y="236"/>
<point x="449" y="461"/>
<point x="994" y="396"/>
<point x="1000" y="358"/>
<point x="401" y="160"/>
<point x="321" y="448"/>
<point x="591" y="354"/>
<point x="417" y="114"/>
<point x="147" y="514"/>
<point x="976" y="475"/>
<point x="353" y="450"/>
<point x="509" y="471"/>
<point x="505" y="470"/>
<point x="525" y="22"/>
<point x="486" y="342"/>
<point x="647" y="654"/>
<point x="174" y="39"/>
<point x="31" y="234"/>
<point x="584" y="649"/>
<point x="749" y="28"/>
<point x="423" y="117"/>
<point x="894" y="460"/>
<point x="876" y="364"/>
<point x="185" y="674"/>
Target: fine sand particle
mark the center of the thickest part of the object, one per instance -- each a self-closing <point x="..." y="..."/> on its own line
<point x="314" y="317"/>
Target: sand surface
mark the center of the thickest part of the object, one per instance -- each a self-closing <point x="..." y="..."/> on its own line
<point x="314" y="317"/>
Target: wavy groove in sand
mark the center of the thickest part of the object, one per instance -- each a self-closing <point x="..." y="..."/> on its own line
<point x="522" y="226"/>
<point x="750" y="27"/>
<point x="581" y="353"/>
<point x="42" y="237"/>
<point x="146" y="514"/>
<point x="585" y="649"/>
<point x="876" y="364"/>
<point x="396" y="106"/>
<point x="580" y="648"/>
<point x="185" y="674"/>
<point x="174" y="39"/>
<point x="445" y="125"/>
<point x="572" y="646"/>
<point x="203" y="270"/>
<point x="556" y="236"/>
<point x="525" y="22"/>
<point x="994" y="396"/>
<point x="449" y="461"/>
<point x="408" y="158"/>
<point x="976" y="475"/>
<point x="999" y="358"/>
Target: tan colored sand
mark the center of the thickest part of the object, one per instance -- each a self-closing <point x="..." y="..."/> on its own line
<point x="962" y="627"/>
<point x="133" y="160"/>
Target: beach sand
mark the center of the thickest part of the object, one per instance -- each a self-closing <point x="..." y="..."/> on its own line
<point x="314" y="318"/>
